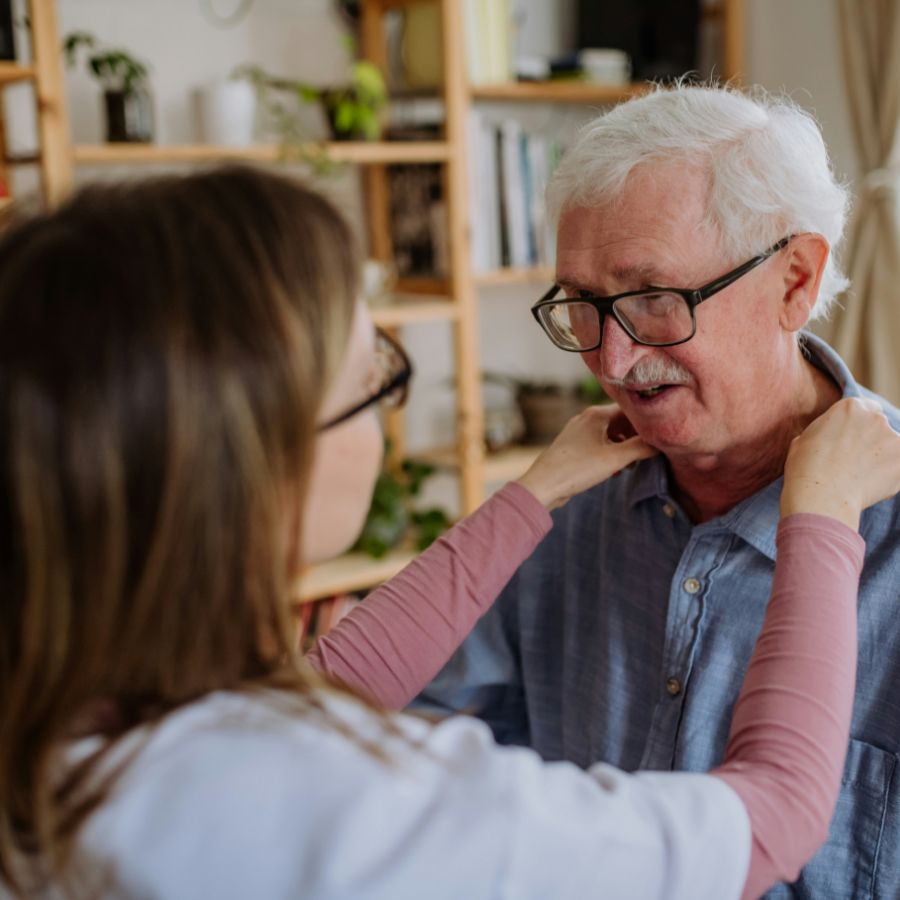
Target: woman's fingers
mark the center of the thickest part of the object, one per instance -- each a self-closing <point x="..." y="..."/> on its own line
<point x="846" y="460"/>
<point x="584" y="454"/>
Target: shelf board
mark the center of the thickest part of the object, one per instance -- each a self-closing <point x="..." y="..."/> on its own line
<point x="29" y="159"/>
<point x="558" y="91"/>
<point x="531" y="275"/>
<point x="396" y="4"/>
<point x="509" y="463"/>
<point x="361" y="152"/>
<point x="713" y="13"/>
<point x="11" y="72"/>
<point x="350" y="572"/>
<point x="423" y="284"/>
<point x="503" y="465"/>
<point x="408" y="310"/>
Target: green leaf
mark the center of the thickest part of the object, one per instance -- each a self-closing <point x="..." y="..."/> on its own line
<point x="391" y="514"/>
<point x="367" y="79"/>
<point x="73" y="41"/>
<point x="430" y="524"/>
<point x="343" y="118"/>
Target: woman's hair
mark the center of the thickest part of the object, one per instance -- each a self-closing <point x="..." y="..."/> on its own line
<point x="164" y="348"/>
<point x="767" y="166"/>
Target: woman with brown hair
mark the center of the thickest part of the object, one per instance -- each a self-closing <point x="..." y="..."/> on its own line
<point x="187" y="395"/>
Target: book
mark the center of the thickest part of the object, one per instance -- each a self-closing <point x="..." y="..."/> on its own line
<point x="487" y="27"/>
<point x="7" y="36"/>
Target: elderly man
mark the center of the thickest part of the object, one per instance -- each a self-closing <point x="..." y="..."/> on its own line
<point x="694" y="244"/>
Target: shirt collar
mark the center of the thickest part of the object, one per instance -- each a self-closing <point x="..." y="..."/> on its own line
<point x="754" y="520"/>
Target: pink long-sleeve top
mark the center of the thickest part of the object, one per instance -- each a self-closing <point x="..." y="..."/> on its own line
<point x="790" y="726"/>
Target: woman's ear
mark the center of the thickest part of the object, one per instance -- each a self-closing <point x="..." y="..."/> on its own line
<point x="805" y="258"/>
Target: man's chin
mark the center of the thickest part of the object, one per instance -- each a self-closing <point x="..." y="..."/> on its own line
<point x="657" y="423"/>
<point x="672" y="438"/>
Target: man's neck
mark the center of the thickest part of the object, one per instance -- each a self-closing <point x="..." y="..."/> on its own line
<point x="709" y="486"/>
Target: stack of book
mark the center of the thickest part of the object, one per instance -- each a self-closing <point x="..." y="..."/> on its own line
<point x="489" y="40"/>
<point x="508" y="179"/>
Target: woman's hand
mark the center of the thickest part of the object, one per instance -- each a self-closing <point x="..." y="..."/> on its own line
<point x="846" y="460"/>
<point x="583" y="454"/>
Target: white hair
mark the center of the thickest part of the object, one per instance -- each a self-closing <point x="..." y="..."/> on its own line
<point x="769" y="171"/>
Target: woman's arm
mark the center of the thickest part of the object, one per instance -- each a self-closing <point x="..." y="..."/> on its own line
<point x="789" y="733"/>
<point x="391" y="646"/>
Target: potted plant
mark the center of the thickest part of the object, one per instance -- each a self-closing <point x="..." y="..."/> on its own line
<point x="352" y="110"/>
<point x="392" y="515"/>
<point x="547" y="405"/>
<point x="127" y="98"/>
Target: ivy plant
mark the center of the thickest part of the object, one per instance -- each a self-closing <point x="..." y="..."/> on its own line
<point x="115" y="69"/>
<point x="392" y="514"/>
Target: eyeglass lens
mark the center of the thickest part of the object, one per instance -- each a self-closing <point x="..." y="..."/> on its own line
<point x="654" y="318"/>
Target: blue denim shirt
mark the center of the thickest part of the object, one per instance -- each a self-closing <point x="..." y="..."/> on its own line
<point x="626" y="635"/>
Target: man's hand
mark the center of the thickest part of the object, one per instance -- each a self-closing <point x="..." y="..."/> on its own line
<point x="583" y="454"/>
<point x="846" y="460"/>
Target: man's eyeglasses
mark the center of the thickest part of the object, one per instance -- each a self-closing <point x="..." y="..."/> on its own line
<point x="655" y="317"/>
<point x="394" y="372"/>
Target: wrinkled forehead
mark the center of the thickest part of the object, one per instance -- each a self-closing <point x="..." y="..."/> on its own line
<point x="658" y="228"/>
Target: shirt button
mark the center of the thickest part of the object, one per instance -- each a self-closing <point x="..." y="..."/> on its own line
<point x="691" y="585"/>
<point x="673" y="686"/>
<point x="669" y="510"/>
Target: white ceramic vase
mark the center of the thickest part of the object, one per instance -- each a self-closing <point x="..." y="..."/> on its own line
<point x="226" y="113"/>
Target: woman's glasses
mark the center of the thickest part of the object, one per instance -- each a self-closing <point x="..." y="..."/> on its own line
<point x="394" y="371"/>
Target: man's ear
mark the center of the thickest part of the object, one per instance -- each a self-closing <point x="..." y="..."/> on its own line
<point x="804" y="262"/>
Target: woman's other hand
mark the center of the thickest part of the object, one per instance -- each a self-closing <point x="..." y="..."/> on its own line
<point x="845" y="460"/>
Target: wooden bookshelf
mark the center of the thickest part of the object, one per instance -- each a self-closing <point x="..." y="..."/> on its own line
<point x="510" y="463"/>
<point x="351" y="572"/>
<point x="422" y="284"/>
<point x="11" y="72"/>
<point x="558" y="92"/>
<point x="504" y="465"/>
<point x="358" y="152"/>
<point x="531" y="275"/>
<point x="409" y="310"/>
<point x="396" y="4"/>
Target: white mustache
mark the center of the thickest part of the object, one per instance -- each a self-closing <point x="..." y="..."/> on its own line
<point x="651" y="372"/>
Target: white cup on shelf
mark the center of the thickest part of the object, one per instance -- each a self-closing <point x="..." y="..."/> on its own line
<point x="606" y="65"/>
<point x="226" y="113"/>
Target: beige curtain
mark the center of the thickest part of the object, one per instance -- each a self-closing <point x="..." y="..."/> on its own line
<point x="866" y="331"/>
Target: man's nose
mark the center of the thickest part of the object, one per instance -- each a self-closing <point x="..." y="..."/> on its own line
<point x="617" y="352"/>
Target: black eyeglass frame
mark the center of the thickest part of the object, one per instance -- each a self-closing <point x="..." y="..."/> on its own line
<point x="399" y="382"/>
<point x="692" y="297"/>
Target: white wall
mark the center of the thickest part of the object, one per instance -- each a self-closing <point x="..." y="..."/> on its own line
<point x="793" y="47"/>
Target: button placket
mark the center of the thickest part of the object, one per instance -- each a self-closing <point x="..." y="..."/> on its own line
<point x="685" y="606"/>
